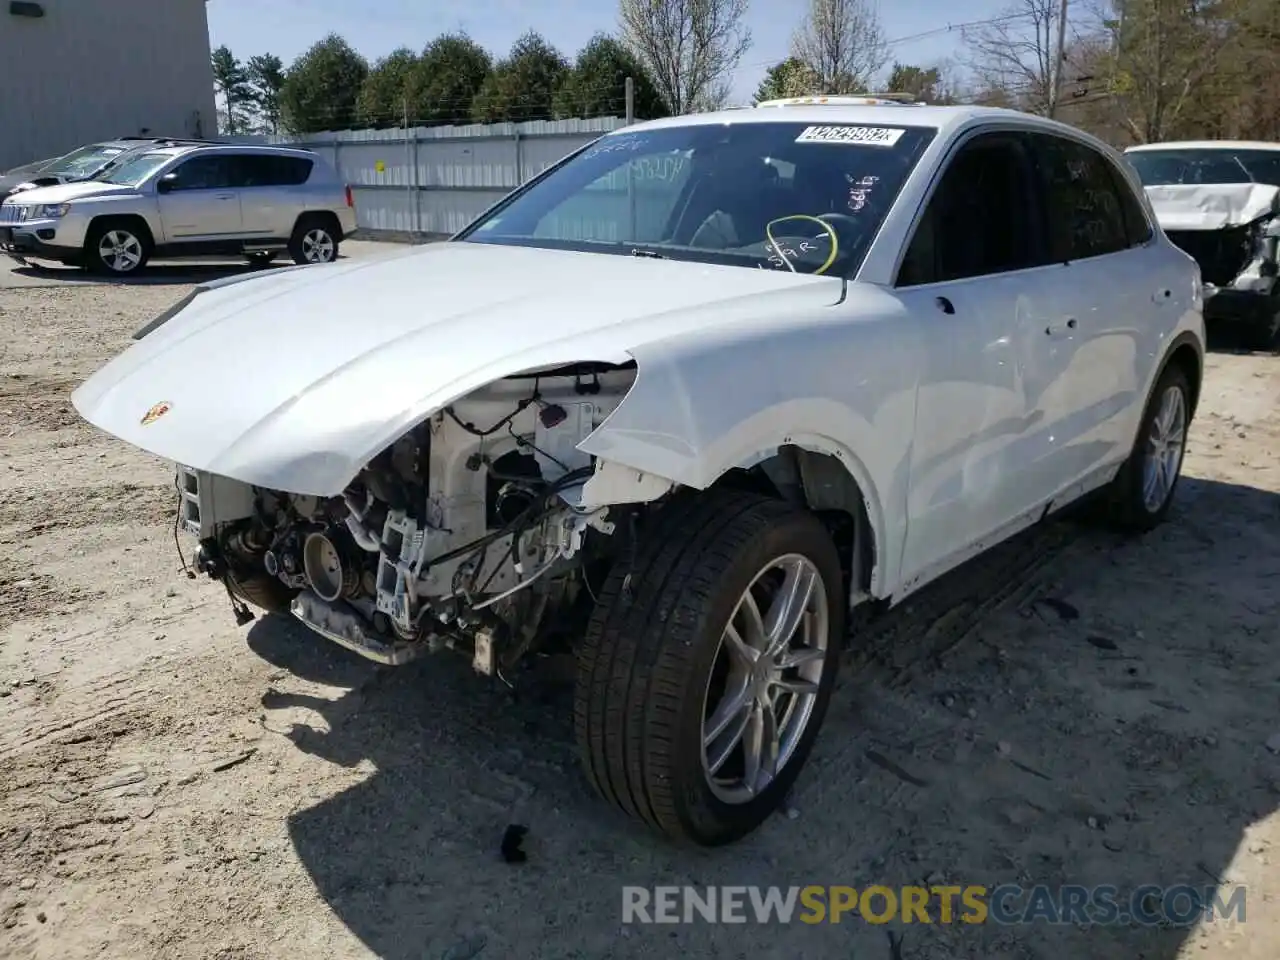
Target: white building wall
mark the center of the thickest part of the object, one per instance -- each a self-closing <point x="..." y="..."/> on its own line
<point x="98" y="69"/>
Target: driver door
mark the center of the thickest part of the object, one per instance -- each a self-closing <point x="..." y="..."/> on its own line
<point x="202" y="202"/>
<point x="970" y="282"/>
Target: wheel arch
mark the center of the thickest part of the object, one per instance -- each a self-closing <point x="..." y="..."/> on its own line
<point x="136" y="220"/>
<point x="1187" y="353"/>
<point x="826" y="478"/>
<point x="328" y="216"/>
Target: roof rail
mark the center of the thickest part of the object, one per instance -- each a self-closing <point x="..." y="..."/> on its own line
<point x="846" y="100"/>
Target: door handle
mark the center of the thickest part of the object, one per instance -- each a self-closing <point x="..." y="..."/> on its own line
<point x="1069" y="324"/>
<point x="1162" y="296"/>
<point x="945" y="305"/>
<point x="225" y="196"/>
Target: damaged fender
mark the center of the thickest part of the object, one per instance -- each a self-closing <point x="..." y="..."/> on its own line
<point x="704" y="404"/>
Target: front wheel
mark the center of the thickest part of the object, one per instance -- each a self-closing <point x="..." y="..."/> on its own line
<point x="260" y="258"/>
<point x="707" y="667"/>
<point x="116" y="248"/>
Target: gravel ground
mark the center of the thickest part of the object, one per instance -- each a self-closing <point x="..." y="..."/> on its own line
<point x="1072" y="708"/>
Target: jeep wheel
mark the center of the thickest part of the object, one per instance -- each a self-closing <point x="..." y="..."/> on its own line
<point x="706" y="669"/>
<point x="314" y="240"/>
<point x="1140" y="495"/>
<point x="116" y="248"/>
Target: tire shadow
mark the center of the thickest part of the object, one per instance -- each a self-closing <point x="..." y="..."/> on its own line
<point x="1074" y="707"/>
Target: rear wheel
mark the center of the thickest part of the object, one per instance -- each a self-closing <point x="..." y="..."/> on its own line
<point x="1142" y="492"/>
<point x="314" y="240"/>
<point x="117" y="248"/>
<point x="707" y="667"/>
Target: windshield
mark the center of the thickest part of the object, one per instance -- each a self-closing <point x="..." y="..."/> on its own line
<point x="134" y="170"/>
<point x="773" y="195"/>
<point x="1206" y="166"/>
<point x="82" y="162"/>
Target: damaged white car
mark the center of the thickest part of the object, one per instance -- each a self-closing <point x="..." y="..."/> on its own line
<point x="679" y="406"/>
<point x="1219" y="200"/>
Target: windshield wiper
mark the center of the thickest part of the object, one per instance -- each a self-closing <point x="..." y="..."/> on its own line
<point x="651" y="254"/>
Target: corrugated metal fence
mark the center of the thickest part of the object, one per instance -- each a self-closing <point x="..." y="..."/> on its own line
<point x="435" y="180"/>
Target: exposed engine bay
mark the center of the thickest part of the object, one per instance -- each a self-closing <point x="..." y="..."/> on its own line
<point x="471" y="530"/>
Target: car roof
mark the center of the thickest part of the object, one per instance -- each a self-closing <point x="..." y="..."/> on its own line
<point x="1205" y="145"/>
<point x="944" y="119"/>
<point x="256" y="148"/>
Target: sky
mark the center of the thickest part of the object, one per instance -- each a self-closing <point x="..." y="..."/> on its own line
<point x="288" y="27"/>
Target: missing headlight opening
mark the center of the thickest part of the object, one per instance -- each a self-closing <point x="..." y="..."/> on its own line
<point x="470" y="531"/>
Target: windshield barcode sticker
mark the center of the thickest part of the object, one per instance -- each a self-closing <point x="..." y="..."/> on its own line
<point x="870" y="136"/>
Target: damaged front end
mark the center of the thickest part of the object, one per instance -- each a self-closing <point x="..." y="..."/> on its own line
<point x="481" y="529"/>
<point x="1232" y="231"/>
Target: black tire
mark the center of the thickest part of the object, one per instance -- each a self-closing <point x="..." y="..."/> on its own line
<point x="132" y="238"/>
<point x="647" y="659"/>
<point x="314" y="232"/>
<point x="265" y="593"/>
<point x="1265" y="336"/>
<point x="263" y="259"/>
<point x="1127" y="507"/>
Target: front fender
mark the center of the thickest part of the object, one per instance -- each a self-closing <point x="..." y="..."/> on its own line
<point x="700" y="407"/>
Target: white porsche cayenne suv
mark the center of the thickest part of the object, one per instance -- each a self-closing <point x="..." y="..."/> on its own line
<point x="678" y="406"/>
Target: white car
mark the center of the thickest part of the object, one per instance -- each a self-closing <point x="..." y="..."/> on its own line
<point x="679" y="405"/>
<point x="1219" y="200"/>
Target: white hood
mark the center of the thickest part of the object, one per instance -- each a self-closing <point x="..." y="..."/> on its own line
<point x="1212" y="206"/>
<point x="296" y="378"/>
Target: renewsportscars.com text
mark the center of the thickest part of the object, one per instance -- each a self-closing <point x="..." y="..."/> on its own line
<point x="1147" y="905"/>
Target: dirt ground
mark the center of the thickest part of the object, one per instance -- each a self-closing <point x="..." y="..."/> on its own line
<point x="1073" y="708"/>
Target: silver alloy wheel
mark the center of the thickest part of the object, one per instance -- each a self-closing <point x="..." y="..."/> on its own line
<point x="1165" y="444"/>
<point x="317" y="246"/>
<point x="120" y="251"/>
<point x="764" y="681"/>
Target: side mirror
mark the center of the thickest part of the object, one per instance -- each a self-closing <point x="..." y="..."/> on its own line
<point x="1272" y="229"/>
<point x="165" y="183"/>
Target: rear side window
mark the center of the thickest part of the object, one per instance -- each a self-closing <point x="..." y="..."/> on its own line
<point x="1136" y="228"/>
<point x="265" y="170"/>
<point x="1084" y="208"/>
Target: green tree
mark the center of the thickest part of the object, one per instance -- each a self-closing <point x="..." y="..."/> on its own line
<point x="446" y="80"/>
<point x="921" y="82"/>
<point x="523" y="86"/>
<point x="231" y="82"/>
<point x="790" y="78"/>
<point x="382" y="98"/>
<point x="597" y="84"/>
<point x="266" y="78"/>
<point x="321" y="88"/>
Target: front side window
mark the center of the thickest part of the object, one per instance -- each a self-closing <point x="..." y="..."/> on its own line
<point x="764" y="195"/>
<point x="979" y="221"/>
<point x="1083" y="209"/>
<point x="1206" y="166"/>
<point x="205" y="173"/>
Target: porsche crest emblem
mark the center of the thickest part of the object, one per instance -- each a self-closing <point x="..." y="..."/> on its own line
<point x="156" y="412"/>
